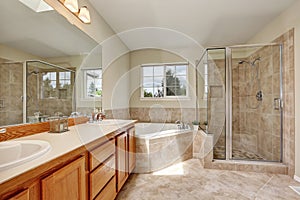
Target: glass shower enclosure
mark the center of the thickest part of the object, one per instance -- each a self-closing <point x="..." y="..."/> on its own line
<point x="242" y="95"/>
<point x="50" y="91"/>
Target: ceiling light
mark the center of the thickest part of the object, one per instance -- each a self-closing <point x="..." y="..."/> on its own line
<point x="84" y="15"/>
<point x="72" y="5"/>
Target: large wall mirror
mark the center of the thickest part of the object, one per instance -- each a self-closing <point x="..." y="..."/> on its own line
<point x="43" y="63"/>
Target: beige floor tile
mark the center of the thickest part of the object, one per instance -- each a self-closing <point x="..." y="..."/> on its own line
<point x="190" y="181"/>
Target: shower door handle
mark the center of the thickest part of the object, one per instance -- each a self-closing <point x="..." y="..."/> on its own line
<point x="277" y="103"/>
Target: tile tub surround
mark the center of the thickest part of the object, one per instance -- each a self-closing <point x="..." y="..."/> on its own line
<point x="189" y="180"/>
<point x="160" y="151"/>
<point x="121" y="113"/>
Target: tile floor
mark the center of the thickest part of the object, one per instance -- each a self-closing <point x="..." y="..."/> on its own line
<point x="188" y="180"/>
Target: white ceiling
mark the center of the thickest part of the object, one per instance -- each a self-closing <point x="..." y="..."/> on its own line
<point x="45" y="34"/>
<point x="209" y="22"/>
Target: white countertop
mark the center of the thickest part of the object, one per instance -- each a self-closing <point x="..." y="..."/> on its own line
<point x="63" y="143"/>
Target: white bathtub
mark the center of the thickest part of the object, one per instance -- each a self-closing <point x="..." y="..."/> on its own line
<point x="160" y="145"/>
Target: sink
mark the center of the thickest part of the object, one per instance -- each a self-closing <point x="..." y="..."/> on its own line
<point x="13" y="153"/>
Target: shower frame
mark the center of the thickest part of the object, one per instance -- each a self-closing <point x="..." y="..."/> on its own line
<point x="228" y="94"/>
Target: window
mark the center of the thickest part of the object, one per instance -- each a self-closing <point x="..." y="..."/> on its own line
<point x="163" y="81"/>
<point x="56" y="85"/>
<point x="64" y="79"/>
<point x="93" y="82"/>
<point x="49" y="85"/>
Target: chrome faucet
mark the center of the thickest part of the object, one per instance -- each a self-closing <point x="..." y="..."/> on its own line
<point x="181" y="125"/>
<point x="75" y="114"/>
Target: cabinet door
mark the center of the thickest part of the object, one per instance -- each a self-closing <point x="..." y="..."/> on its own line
<point x="21" y="196"/>
<point x="68" y="182"/>
<point x="122" y="159"/>
<point x="131" y="150"/>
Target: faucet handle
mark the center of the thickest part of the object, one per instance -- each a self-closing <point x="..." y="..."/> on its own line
<point x="177" y="122"/>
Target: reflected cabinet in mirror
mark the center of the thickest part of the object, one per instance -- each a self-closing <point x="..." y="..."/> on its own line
<point x="43" y="60"/>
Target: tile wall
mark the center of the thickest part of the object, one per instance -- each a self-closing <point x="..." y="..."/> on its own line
<point x="11" y="91"/>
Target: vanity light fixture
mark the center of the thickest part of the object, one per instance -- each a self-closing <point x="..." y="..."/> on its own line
<point x="83" y="14"/>
<point x="72" y="5"/>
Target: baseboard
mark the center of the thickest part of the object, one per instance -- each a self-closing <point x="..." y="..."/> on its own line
<point x="297" y="178"/>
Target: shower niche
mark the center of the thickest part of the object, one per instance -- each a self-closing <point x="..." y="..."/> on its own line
<point x="243" y="97"/>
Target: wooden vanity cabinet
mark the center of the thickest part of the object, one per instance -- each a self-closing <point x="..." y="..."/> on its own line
<point x="102" y="170"/>
<point x="131" y="150"/>
<point x="121" y="159"/>
<point x="125" y="156"/>
<point x="68" y="182"/>
<point x="95" y="171"/>
<point x="24" y="195"/>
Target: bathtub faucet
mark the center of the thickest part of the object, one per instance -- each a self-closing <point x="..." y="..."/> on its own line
<point x="181" y="125"/>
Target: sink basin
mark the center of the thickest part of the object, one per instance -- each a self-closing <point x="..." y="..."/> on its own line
<point x="13" y="153"/>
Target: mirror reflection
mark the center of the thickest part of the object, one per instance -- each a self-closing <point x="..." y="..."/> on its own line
<point x="41" y="54"/>
<point x="49" y="90"/>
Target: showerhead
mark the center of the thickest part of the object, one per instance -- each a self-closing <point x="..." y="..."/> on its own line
<point x="250" y="63"/>
<point x="242" y="62"/>
<point x="254" y="61"/>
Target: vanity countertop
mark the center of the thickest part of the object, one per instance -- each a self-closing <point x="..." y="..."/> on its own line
<point x="63" y="143"/>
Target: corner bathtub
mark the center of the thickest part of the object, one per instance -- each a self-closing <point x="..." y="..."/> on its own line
<point x="160" y="145"/>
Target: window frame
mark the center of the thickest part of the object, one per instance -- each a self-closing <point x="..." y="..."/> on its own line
<point x="85" y="92"/>
<point x="165" y="97"/>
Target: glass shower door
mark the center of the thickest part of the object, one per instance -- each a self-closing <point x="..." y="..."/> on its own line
<point x="216" y="99"/>
<point x="256" y="103"/>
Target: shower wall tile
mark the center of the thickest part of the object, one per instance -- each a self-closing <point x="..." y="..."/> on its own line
<point x="118" y="113"/>
<point x="11" y="91"/>
<point x="287" y="40"/>
<point x="166" y="115"/>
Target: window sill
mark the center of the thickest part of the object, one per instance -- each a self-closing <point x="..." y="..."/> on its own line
<point x="166" y="99"/>
<point x="91" y="99"/>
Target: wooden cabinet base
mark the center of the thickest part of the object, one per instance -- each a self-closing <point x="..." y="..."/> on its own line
<point x="109" y="192"/>
<point x="68" y="182"/>
<point x="95" y="171"/>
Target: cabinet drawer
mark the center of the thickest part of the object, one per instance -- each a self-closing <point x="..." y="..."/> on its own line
<point x="21" y="196"/>
<point x="100" y="154"/>
<point x="109" y="192"/>
<point x="100" y="177"/>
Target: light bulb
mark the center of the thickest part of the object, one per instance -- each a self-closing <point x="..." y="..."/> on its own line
<point x="72" y="5"/>
<point x="84" y="15"/>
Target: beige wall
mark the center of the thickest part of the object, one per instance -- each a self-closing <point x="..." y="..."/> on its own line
<point x="287" y="20"/>
<point x="148" y="56"/>
<point x="116" y="84"/>
<point x="12" y="54"/>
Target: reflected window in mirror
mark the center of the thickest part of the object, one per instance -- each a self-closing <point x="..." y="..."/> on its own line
<point x="93" y="83"/>
<point x="57" y="85"/>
